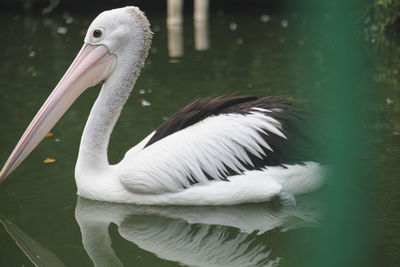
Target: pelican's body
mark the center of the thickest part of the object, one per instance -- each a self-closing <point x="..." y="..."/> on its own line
<point x="227" y="150"/>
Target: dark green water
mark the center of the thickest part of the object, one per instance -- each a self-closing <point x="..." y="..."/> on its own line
<point x="38" y="203"/>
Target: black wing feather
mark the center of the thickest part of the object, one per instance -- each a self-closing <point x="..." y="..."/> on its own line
<point x="197" y="111"/>
<point x="296" y="126"/>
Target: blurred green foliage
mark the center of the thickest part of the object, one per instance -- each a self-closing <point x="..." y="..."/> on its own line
<point x="381" y="29"/>
<point x="379" y="16"/>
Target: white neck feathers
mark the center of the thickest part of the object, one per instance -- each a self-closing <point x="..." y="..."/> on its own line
<point x="107" y="108"/>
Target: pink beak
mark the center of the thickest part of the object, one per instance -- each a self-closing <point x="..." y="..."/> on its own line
<point x="92" y="65"/>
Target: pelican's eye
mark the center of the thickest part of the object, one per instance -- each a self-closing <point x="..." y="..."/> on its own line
<point x="97" y="35"/>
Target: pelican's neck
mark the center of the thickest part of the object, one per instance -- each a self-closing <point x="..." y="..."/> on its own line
<point x="131" y="54"/>
<point x="114" y="93"/>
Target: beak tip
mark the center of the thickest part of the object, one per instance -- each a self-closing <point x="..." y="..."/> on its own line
<point x="3" y="174"/>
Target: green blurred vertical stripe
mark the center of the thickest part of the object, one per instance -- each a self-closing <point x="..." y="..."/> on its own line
<point x="334" y="29"/>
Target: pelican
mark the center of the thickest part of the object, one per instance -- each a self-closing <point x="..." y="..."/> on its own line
<point x="215" y="151"/>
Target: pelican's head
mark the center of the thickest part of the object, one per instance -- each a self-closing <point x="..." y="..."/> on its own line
<point x="121" y="30"/>
<point x="117" y="39"/>
<point x="125" y="33"/>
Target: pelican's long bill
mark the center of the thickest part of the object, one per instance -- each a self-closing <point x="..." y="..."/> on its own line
<point x="92" y="65"/>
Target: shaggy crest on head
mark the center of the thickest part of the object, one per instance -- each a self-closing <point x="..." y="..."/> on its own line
<point x="215" y="151"/>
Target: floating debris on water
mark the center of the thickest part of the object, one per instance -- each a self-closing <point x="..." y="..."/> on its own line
<point x="49" y="134"/>
<point x="144" y="102"/>
<point x="239" y="41"/>
<point x="173" y="60"/>
<point x="52" y="5"/>
<point x="68" y="19"/>
<point x="233" y="26"/>
<point x="32" y="70"/>
<point x="62" y="30"/>
<point x="265" y="18"/>
<point x="49" y="160"/>
<point x="142" y="91"/>
<point x="284" y="23"/>
<point x="32" y="54"/>
<point x="57" y="139"/>
<point x="389" y="101"/>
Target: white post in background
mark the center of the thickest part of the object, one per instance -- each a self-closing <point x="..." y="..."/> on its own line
<point x="201" y="33"/>
<point x="175" y="28"/>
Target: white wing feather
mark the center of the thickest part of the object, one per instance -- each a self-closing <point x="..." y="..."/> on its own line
<point x="208" y="146"/>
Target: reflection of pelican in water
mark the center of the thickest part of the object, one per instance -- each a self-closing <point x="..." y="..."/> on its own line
<point x="195" y="236"/>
